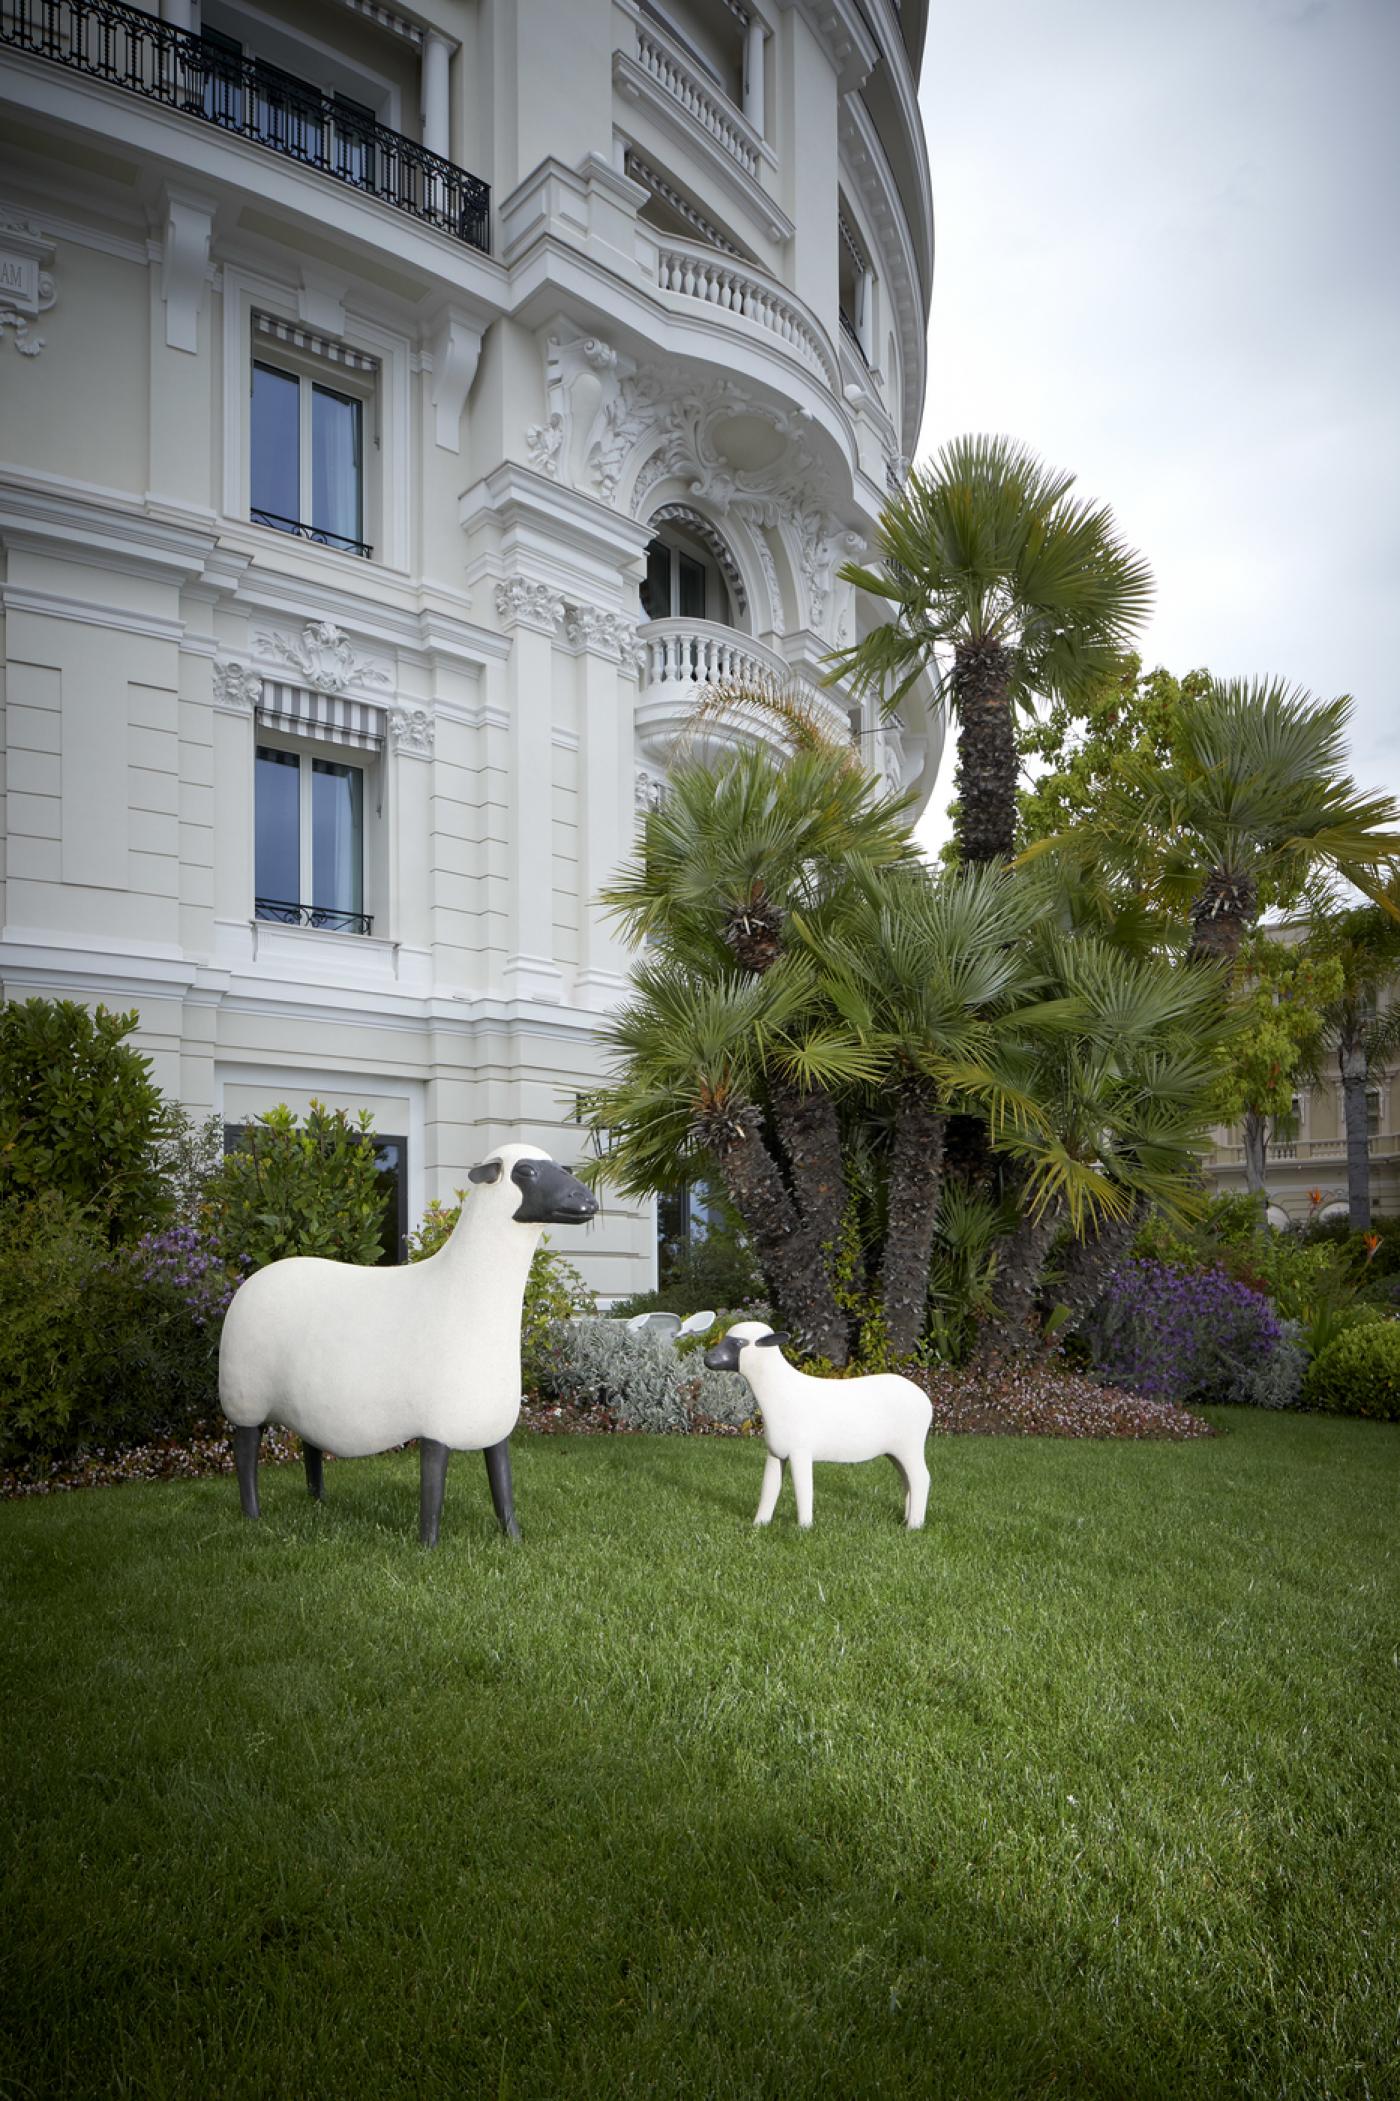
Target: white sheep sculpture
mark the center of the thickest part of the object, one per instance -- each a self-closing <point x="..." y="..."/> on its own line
<point x="881" y="1416"/>
<point x="358" y="1360"/>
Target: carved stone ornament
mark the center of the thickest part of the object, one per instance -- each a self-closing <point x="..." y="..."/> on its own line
<point x="896" y="471"/>
<point x="235" y="686"/>
<point x="26" y="288"/>
<point x="323" y="658"/>
<point x="522" y="601"/>
<point x="651" y="791"/>
<point x="411" y="731"/>
<point x="608" y="634"/>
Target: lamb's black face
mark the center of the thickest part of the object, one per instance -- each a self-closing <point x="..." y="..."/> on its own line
<point x="550" y="1195"/>
<point x="724" y="1356"/>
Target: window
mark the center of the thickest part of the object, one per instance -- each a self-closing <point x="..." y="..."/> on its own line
<point x="683" y="581"/>
<point x="1373" y="1111"/>
<point x="307" y="459"/>
<point x="309" y="841"/>
<point x="330" y="130"/>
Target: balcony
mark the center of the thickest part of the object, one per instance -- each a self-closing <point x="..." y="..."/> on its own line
<point x="682" y="660"/>
<point x="118" y="45"/>
<point x="703" y="276"/>
<point x="1380" y="1145"/>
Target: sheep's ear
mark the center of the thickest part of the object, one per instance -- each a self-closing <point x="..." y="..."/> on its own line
<point x="768" y="1342"/>
<point x="489" y="1171"/>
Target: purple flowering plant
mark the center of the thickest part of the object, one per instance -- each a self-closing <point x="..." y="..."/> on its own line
<point x="1181" y="1335"/>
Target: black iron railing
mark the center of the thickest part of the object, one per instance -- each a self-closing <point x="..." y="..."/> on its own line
<point x="109" y="41"/>
<point x="319" y="533"/>
<point x="324" y="916"/>
<point x="852" y="335"/>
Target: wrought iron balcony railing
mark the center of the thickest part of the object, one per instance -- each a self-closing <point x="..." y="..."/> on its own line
<point x="326" y="917"/>
<point x="321" y="534"/>
<point x="108" y="41"/>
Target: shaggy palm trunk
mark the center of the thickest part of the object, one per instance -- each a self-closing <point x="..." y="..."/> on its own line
<point x="988" y="763"/>
<point x="807" y="1128"/>
<point x="1086" y="1265"/>
<point x="1256" y="1150"/>
<point x="1020" y="1265"/>
<point x="756" y="1189"/>
<point x="915" y="1186"/>
<point x="1351" y="1059"/>
<point x="1222" y="915"/>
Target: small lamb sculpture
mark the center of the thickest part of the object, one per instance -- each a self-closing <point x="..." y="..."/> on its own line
<point x="842" y="1419"/>
<point x="359" y="1360"/>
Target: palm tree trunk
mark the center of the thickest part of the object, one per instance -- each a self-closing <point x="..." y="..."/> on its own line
<point x="1351" y="1058"/>
<point x="1020" y="1263"/>
<point x="915" y="1186"/>
<point x="1222" y="915"/>
<point x="800" y="1286"/>
<point x="807" y="1129"/>
<point x="1084" y="1270"/>
<point x="1256" y="1150"/>
<point x="988" y="762"/>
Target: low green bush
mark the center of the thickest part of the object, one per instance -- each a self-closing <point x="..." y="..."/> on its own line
<point x="108" y="1347"/>
<point x="1359" y="1373"/>
<point x="80" y="1114"/>
<point x="299" y="1189"/>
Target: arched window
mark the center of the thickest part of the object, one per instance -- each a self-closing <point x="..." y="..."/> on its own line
<point x="684" y="579"/>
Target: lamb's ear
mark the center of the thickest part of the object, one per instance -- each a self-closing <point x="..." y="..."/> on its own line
<point x="768" y="1342"/>
<point x="488" y="1171"/>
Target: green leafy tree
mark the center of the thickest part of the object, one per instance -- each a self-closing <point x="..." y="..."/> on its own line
<point x="987" y="556"/>
<point x="300" y="1189"/>
<point x="1280" y="1006"/>
<point x="1250" y="804"/>
<point x="80" y="1114"/>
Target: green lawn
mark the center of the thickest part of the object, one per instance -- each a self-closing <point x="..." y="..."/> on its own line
<point x="1091" y="1788"/>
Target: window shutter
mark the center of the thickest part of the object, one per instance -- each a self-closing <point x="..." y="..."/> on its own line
<point x="298" y="712"/>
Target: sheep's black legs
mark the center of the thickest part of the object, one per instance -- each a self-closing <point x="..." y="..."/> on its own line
<point x="497" y="1457"/>
<point x="311" y="1457"/>
<point x="246" y="1439"/>
<point x="432" y="1480"/>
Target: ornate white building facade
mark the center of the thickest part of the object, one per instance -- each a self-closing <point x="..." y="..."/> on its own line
<point x="404" y="412"/>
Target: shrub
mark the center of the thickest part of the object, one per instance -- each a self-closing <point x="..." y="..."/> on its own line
<point x="1359" y="1373"/>
<point x="308" y="1190"/>
<point x="716" y="1271"/>
<point x="1180" y="1335"/>
<point x="99" y="1346"/>
<point x="600" y="1363"/>
<point x="554" y="1290"/>
<point x="1278" y="1381"/>
<point x="80" y="1114"/>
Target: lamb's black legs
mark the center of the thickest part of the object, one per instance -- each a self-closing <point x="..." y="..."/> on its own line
<point x="311" y="1457"/>
<point x="432" y="1480"/>
<point x="497" y="1457"/>
<point x="246" y="1439"/>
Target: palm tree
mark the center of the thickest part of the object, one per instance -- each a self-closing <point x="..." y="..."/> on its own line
<point x="986" y="554"/>
<point x="737" y="853"/>
<point x="1099" y="1110"/>
<point x="1251" y="803"/>
<point x="925" y="970"/>
<point x="1366" y="944"/>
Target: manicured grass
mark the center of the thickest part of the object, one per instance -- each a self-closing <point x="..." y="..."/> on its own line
<point x="1090" y="1789"/>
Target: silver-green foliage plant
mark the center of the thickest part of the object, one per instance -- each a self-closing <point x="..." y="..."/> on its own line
<point x="639" y="1376"/>
<point x="1278" y="1382"/>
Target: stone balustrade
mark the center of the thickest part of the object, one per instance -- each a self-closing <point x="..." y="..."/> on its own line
<point x="708" y="108"/>
<point x="734" y="287"/>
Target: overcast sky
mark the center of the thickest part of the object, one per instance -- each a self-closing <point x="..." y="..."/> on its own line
<point x="1168" y="258"/>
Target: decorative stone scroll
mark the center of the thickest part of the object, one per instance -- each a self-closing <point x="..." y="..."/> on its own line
<point x="235" y="686"/>
<point x="412" y="732"/>
<point x="26" y="287"/>
<point x="323" y="657"/>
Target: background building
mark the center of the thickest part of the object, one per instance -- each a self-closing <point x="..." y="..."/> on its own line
<point x="404" y="410"/>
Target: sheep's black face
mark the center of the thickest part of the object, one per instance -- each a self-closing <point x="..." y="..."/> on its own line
<point x="550" y="1195"/>
<point x="724" y="1356"/>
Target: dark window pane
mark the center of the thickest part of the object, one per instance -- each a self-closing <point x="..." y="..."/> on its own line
<point x="391" y="1158"/>
<point x="691" y="580"/>
<point x="335" y="464"/>
<point x="221" y="57"/>
<point x="354" y="135"/>
<point x="276" y="452"/>
<point x="337" y="826"/>
<point x="656" y="591"/>
<point x="277" y="831"/>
